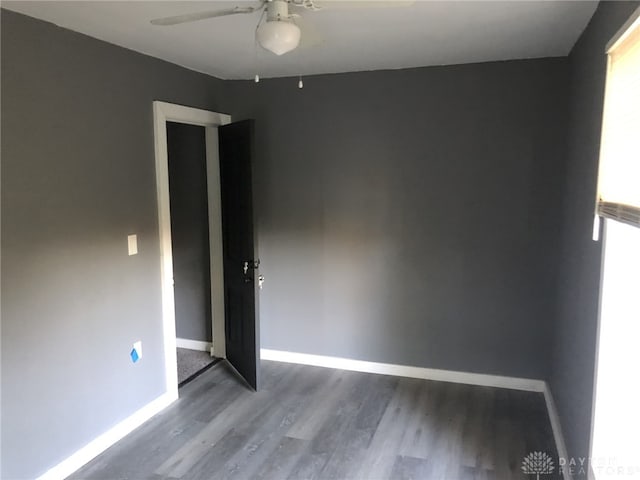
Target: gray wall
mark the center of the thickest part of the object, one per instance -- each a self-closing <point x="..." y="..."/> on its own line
<point x="407" y="216"/>
<point x="573" y="358"/>
<point x="77" y="177"/>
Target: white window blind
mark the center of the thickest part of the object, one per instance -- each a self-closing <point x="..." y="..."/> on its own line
<point x="619" y="175"/>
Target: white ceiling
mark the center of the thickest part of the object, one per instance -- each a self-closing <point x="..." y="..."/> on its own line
<point x="425" y="33"/>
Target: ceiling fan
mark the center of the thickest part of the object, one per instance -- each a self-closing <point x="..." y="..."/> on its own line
<point x="280" y="32"/>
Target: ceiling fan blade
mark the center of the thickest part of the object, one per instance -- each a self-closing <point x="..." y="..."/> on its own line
<point x="193" y="17"/>
<point x="310" y="36"/>
<point x="359" y="4"/>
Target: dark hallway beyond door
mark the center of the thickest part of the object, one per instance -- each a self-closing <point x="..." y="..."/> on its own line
<point x="189" y="230"/>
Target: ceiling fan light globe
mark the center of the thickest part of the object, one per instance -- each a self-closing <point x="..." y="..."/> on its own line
<point x="278" y="36"/>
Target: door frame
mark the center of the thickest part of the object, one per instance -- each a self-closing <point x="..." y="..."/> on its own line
<point x="164" y="112"/>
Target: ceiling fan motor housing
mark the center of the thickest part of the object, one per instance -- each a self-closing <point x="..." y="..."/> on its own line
<point x="277" y="10"/>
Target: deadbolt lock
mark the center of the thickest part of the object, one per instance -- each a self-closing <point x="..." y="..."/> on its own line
<point x="250" y="264"/>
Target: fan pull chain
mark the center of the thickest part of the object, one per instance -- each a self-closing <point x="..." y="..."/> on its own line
<point x="256" y="79"/>
<point x="300" y="83"/>
<point x="255" y="61"/>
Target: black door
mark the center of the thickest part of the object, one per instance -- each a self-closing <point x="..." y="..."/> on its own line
<point x="189" y="230"/>
<point x="242" y="334"/>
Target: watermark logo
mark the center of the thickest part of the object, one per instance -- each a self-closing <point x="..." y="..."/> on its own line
<point x="537" y="463"/>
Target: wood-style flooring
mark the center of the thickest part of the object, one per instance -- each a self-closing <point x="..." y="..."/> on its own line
<point x="312" y="422"/>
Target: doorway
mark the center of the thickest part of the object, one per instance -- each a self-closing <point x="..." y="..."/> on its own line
<point x="181" y="118"/>
<point x="186" y="149"/>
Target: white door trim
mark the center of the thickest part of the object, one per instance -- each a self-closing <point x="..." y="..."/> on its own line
<point x="162" y="113"/>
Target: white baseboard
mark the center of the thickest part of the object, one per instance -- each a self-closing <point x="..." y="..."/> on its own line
<point x="530" y="385"/>
<point x="193" y="344"/>
<point x="554" y="418"/>
<point x="107" y="439"/>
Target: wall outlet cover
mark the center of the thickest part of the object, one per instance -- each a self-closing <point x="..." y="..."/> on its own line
<point x="136" y="352"/>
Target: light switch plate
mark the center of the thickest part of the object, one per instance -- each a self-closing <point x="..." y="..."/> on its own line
<point x="133" y="244"/>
